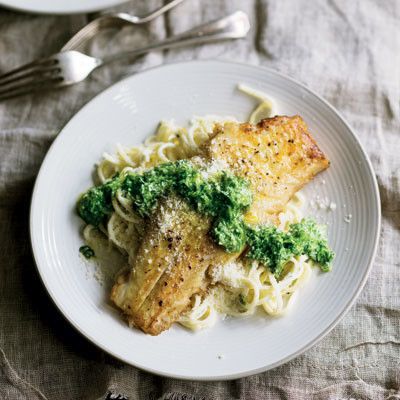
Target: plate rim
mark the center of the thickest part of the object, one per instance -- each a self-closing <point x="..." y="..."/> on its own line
<point x="377" y="225"/>
<point x="8" y="4"/>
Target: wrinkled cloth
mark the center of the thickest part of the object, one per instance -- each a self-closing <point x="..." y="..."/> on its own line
<point x="347" y="51"/>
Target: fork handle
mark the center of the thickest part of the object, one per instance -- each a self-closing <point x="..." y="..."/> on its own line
<point x="156" y="13"/>
<point x="233" y="26"/>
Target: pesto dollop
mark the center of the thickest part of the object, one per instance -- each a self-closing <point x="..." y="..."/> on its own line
<point x="218" y="194"/>
<point x="95" y="204"/>
<point x="223" y="197"/>
<point x="274" y="248"/>
<point x="87" y="252"/>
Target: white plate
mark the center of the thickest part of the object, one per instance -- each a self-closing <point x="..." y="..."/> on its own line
<point x="60" y="6"/>
<point x="128" y="112"/>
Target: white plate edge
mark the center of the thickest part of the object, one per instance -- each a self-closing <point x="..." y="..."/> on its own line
<point x="304" y="348"/>
<point x="65" y="11"/>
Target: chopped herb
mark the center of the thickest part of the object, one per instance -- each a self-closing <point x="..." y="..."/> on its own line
<point x="242" y="299"/>
<point x="87" y="252"/>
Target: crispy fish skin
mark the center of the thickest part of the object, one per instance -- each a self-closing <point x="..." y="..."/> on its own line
<point x="170" y="267"/>
<point x="277" y="156"/>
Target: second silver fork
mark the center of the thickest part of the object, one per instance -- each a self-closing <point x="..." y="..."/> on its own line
<point x="70" y="67"/>
<point x="110" y="20"/>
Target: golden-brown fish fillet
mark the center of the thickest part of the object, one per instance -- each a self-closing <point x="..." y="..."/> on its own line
<point x="277" y="156"/>
<point x="169" y="268"/>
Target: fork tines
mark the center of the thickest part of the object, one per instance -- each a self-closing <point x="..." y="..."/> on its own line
<point x="36" y="76"/>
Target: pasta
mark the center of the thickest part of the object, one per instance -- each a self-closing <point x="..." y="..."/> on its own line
<point x="237" y="289"/>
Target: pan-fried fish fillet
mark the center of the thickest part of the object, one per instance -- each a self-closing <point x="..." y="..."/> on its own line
<point x="169" y="268"/>
<point x="277" y="156"/>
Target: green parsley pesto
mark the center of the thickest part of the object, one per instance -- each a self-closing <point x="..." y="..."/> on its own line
<point x="87" y="252"/>
<point x="223" y="197"/>
<point x="94" y="205"/>
<point x="274" y="248"/>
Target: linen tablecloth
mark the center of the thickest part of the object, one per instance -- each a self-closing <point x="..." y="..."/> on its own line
<point x="347" y="51"/>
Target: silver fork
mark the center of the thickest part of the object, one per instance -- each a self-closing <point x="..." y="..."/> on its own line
<point x="114" y="20"/>
<point x="70" y="67"/>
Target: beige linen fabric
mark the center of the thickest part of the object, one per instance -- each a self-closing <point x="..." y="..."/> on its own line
<point x="347" y="51"/>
